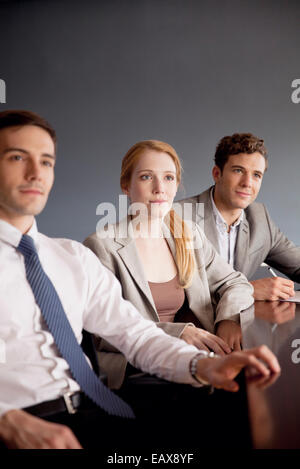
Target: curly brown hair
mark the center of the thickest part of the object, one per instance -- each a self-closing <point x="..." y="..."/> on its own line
<point x="238" y="143"/>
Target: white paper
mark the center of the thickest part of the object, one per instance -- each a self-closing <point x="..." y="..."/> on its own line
<point x="294" y="299"/>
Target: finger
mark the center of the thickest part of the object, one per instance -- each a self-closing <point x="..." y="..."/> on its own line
<point x="221" y="342"/>
<point x="286" y="293"/>
<point x="262" y="352"/>
<point x="231" y="386"/>
<point x="74" y="444"/>
<point x="286" y="287"/>
<point x="269" y="381"/>
<point x="269" y="358"/>
<point x="226" y="384"/>
<point x="200" y="345"/>
<point x="237" y="345"/>
<point x="68" y="440"/>
<point x="279" y="295"/>
<point x="285" y="282"/>
<point x="262" y="382"/>
<point x="71" y="440"/>
<point x="260" y="367"/>
<point x="214" y="346"/>
<point x="249" y="359"/>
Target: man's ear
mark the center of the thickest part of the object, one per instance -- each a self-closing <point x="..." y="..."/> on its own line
<point x="216" y="173"/>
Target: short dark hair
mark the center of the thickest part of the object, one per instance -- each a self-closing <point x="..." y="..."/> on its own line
<point x="14" y="118"/>
<point x="238" y="143"/>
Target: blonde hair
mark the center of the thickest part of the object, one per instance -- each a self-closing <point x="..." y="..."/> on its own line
<point x="184" y="255"/>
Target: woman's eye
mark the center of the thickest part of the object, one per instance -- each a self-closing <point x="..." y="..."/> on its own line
<point x="170" y="178"/>
<point x="145" y="177"/>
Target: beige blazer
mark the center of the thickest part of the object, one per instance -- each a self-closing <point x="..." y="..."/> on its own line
<point x="214" y="281"/>
<point x="259" y="239"/>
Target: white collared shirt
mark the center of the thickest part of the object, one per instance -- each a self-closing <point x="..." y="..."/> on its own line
<point x="31" y="369"/>
<point x="226" y="240"/>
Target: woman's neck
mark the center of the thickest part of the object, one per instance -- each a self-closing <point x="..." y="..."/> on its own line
<point x="147" y="228"/>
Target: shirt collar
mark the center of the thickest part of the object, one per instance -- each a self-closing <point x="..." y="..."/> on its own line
<point x="218" y="217"/>
<point x="11" y="235"/>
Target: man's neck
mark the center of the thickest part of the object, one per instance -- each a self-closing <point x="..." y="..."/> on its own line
<point x="23" y="223"/>
<point x="230" y="215"/>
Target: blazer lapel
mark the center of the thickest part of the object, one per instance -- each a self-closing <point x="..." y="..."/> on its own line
<point x="242" y="247"/>
<point x="130" y="257"/>
<point x="206" y="220"/>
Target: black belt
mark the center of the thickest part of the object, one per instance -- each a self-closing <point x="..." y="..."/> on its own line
<point x="69" y="402"/>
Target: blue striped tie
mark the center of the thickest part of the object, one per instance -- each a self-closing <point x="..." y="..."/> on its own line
<point x="64" y="337"/>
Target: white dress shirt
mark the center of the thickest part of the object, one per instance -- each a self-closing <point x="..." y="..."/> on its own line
<point x="32" y="370"/>
<point x="226" y="239"/>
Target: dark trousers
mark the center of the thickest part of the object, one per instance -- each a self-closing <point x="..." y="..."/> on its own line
<point x="174" y="416"/>
<point x="168" y="416"/>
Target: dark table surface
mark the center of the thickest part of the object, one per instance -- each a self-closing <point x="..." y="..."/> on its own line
<point x="274" y="412"/>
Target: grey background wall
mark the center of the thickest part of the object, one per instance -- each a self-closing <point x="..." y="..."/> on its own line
<point x="109" y="73"/>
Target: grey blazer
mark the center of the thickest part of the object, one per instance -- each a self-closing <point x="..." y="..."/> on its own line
<point x="259" y="239"/>
<point x="214" y="280"/>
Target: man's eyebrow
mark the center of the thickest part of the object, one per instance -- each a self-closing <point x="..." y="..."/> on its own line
<point x="243" y="167"/>
<point x="21" y="150"/>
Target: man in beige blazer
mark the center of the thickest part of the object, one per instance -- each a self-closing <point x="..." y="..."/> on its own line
<point x="214" y="280"/>
<point x="239" y="228"/>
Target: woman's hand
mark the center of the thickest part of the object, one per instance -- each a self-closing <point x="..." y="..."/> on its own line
<point x="231" y="333"/>
<point x="204" y="340"/>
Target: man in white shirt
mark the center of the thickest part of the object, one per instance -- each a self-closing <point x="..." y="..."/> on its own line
<point x="34" y="375"/>
<point x="240" y="229"/>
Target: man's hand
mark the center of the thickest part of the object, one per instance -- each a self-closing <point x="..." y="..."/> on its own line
<point x="221" y="371"/>
<point x="231" y="333"/>
<point x="20" y="430"/>
<point x="275" y="288"/>
<point x="204" y="340"/>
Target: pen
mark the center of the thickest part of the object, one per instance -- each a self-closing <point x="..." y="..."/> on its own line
<point x="272" y="272"/>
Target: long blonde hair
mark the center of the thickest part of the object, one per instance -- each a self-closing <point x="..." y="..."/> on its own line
<point x="184" y="255"/>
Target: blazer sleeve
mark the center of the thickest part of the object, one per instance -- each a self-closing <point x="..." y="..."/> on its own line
<point x="230" y="291"/>
<point x="284" y="255"/>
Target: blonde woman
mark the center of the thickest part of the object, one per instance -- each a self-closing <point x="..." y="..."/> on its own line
<point x="150" y="253"/>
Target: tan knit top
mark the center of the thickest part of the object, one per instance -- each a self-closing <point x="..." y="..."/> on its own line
<point x="168" y="298"/>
